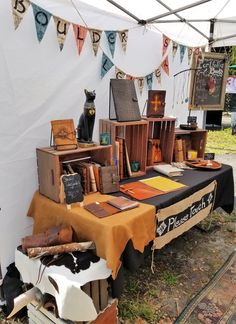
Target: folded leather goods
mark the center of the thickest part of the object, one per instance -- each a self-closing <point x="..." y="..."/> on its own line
<point x="139" y="190"/>
<point x="123" y="203"/>
<point x="53" y="236"/>
<point x="101" y="209"/>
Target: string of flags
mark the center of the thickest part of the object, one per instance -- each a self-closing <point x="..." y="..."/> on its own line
<point x="42" y="18"/>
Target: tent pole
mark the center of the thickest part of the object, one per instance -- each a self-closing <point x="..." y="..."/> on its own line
<point x="211" y="37"/>
<point x="124" y="10"/>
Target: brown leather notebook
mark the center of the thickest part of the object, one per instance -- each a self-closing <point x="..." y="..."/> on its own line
<point x="64" y="135"/>
<point x="101" y="209"/>
<point x="139" y="190"/>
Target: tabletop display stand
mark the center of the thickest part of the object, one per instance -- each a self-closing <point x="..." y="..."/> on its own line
<point x="129" y="142"/>
<point x="190" y="140"/>
<point x="163" y="130"/>
<point x="50" y="165"/>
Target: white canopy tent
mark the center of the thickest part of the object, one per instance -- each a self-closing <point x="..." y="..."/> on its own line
<point x="40" y="83"/>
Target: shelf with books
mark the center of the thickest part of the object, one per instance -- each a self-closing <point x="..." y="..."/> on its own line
<point x="161" y="136"/>
<point x="129" y="143"/>
<point x="189" y="140"/>
<point x="52" y="164"/>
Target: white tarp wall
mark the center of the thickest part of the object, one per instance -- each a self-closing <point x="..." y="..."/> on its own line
<point x="39" y="84"/>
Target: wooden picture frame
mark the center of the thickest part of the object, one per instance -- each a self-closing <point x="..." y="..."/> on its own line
<point x="156" y="103"/>
<point x="208" y="82"/>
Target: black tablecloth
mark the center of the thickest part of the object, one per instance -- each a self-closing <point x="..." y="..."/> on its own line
<point x="195" y="180"/>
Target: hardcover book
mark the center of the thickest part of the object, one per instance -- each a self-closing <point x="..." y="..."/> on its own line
<point x="156" y="103"/>
<point x="123" y="203"/>
<point x="64" y="135"/>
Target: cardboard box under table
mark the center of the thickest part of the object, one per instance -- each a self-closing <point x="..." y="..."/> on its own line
<point x="110" y="234"/>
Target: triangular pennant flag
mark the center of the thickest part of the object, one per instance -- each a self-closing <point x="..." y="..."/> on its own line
<point x="149" y="79"/>
<point x="42" y="18"/>
<point x="174" y="48"/>
<point x="111" y="38"/>
<point x="166" y="42"/>
<point x="165" y="65"/>
<point x="196" y="53"/>
<point x="129" y="77"/>
<point x="95" y="35"/>
<point x="182" y="50"/>
<point x="19" y="9"/>
<point x="107" y="64"/>
<point x="119" y="74"/>
<point x="80" y="35"/>
<point x="158" y="75"/>
<point x="203" y="51"/>
<point x="62" y="27"/>
<point x="123" y="35"/>
<point x="140" y="84"/>
<point x="190" y="53"/>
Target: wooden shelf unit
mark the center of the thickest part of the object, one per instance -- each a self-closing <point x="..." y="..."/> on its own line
<point x="50" y="162"/>
<point x="197" y="139"/>
<point x="135" y="134"/>
<point x="164" y="130"/>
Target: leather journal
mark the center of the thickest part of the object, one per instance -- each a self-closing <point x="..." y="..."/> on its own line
<point x="63" y="134"/>
<point x="109" y="179"/>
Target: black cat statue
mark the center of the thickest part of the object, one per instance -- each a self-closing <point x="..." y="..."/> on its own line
<point x="86" y="120"/>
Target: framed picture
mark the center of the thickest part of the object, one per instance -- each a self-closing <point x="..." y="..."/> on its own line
<point x="208" y="82"/>
<point x="105" y="139"/>
<point x="156" y="103"/>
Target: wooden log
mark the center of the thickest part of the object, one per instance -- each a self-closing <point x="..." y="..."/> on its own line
<point x="56" y="249"/>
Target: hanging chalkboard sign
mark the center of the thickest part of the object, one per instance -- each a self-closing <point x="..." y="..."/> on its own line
<point x="71" y="189"/>
<point x="208" y="82"/>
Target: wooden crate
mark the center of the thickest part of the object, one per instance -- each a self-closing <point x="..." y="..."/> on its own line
<point x="50" y="163"/>
<point x="164" y="130"/>
<point x="135" y="135"/>
<point x="192" y="139"/>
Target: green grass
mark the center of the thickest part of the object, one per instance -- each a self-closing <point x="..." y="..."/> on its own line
<point x="169" y="278"/>
<point x="133" y="309"/>
<point x="221" y="142"/>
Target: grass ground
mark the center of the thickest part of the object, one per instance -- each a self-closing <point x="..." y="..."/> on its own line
<point x="221" y="142"/>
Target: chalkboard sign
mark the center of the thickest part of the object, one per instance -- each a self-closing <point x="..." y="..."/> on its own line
<point x="72" y="188"/>
<point x="208" y="82"/>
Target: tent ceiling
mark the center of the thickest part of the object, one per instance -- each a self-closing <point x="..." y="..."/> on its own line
<point x="187" y="22"/>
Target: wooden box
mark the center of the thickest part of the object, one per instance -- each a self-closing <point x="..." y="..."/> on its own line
<point x="162" y="129"/>
<point x="135" y="136"/>
<point x="192" y="140"/>
<point x="50" y="164"/>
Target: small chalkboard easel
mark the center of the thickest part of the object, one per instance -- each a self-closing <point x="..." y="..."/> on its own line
<point x="71" y="190"/>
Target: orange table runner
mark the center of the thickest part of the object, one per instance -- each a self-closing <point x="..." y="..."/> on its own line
<point x="110" y="234"/>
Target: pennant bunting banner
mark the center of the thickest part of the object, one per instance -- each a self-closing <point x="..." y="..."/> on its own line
<point x="95" y="35"/>
<point x="119" y="74"/>
<point x="80" y="35"/>
<point x="165" y="65"/>
<point x="166" y="42"/>
<point x="42" y="18"/>
<point x="62" y="27"/>
<point x="158" y="75"/>
<point x="19" y="8"/>
<point x="140" y="82"/>
<point x="196" y="53"/>
<point x="182" y="50"/>
<point x="174" y="49"/>
<point x="149" y="79"/>
<point x="203" y="51"/>
<point x="129" y="77"/>
<point x="111" y="38"/>
<point x="106" y="64"/>
<point x="123" y="35"/>
<point x="190" y="53"/>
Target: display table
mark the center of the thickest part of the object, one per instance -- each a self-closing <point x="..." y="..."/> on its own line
<point x="110" y="234"/>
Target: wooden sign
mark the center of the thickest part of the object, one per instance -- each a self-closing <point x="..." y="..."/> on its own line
<point x="156" y="103"/>
<point x="208" y="82"/>
<point x="71" y="189"/>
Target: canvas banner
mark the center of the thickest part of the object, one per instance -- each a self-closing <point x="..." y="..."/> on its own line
<point x="190" y="53"/>
<point x="19" y="8"/>
<point x="174" y="48"/>
<point x="62" y="27"/>
<point x="42" y="18"/>
<point x="165" y="65"/>
<point x="181" y="216"/>
<point x="123" y="35"/>
<point x="158" y="75"/>
<point x="149" y="80"/>
<point x="119" y="73"/>
<point x="80" y="35"/>
<point x="166" y="41"/>
<point x="111" y="38"/>
<point x="182" y="50"/>
<point x="107" y="64"/>
<point x="95" y="35"/>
